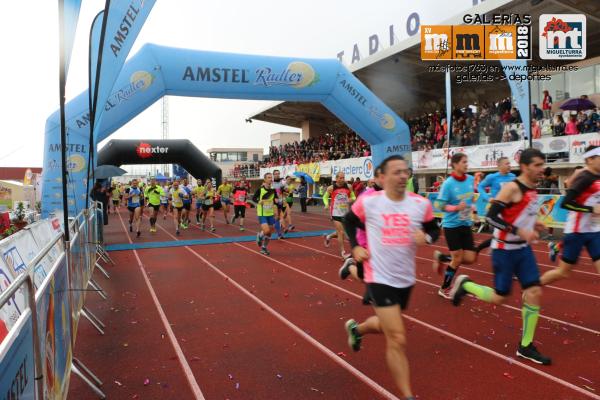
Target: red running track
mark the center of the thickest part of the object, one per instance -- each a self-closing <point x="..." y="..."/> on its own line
<point x="225" y="322"/>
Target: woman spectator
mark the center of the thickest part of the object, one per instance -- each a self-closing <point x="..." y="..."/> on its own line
<point x="571" y="128"/>
<point x="536" y="131"/>
<point x="559" y="126"/>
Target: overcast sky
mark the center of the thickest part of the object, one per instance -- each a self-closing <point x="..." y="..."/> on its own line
<point x="310" y="28"/>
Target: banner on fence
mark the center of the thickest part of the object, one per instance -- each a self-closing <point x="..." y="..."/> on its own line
<point x="10" y="312"/>
<point x="550" y="212"/>
<point x="54" y="319"/>
<point x="312" y="169"/>
<point x="17" y="364"/>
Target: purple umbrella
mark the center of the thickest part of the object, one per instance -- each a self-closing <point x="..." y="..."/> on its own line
<point x="578" y="105"/>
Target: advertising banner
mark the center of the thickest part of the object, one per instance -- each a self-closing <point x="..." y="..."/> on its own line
<point x="17" y="364"/>
<point x="578" y="144"/>
<point x="354" y="168"/>
<point x="10" y="312"/>
<point x="54" y="323"/>
<point x="313" y="170"/>
<point x="550" y="212"/>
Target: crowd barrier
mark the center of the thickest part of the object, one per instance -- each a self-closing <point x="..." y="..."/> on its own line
<point x="43" y="287"/>
<point x="550" y="211"/>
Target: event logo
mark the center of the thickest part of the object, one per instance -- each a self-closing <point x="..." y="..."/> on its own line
<point x="354" y="92"/>
<point x="75" y="163"/>
<point x="207" y="74"/>
<point x="468" y="42"/>
<point x="125" y="27"/>
<point x="144" y="150"/>
<point x="387" y="122"/>
<point x="558" y="144"/>
<point x="138" y="81"/>
<point x="141" y="80"/>
<point x="476" y="42"/>
<point x="297" y="74"/>
<point x="436" y="42"/>
<point x="368" y="168"/>
<point x="562" y="36"/>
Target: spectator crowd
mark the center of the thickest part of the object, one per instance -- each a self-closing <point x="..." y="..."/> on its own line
<point x="491" y="122"/>
<point x="246" y="170"/>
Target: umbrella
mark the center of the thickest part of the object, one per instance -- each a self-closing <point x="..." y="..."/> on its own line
<point x="306" y="176"/>
<point x="578" y="105"/>
<point x="161" y="178"/>
<point x="108" y="171"/>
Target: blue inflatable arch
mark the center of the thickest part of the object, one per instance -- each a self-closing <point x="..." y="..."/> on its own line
<point x="156" y="71"/>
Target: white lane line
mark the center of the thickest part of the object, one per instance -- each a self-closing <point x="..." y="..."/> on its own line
<point x="182" y="360"/>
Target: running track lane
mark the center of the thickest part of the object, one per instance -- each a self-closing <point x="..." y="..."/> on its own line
<point x="238" y="341"/>
<point x="558" y="301"/>
<point x="121" y="358"/>
<point x="296" y="313"/>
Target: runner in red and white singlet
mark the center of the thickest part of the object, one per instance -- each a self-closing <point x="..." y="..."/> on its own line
<point x="396" y="221"/>
<point x="338" y="198"/>
<point x="583" y="223"/>
<point x="513" y="214"/>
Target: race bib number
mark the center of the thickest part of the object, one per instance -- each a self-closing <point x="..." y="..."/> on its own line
<point x="267" y="205"/>
<point x="242" y="198"/>
<point x="135" y="199"/>
<point x="208" y="202"/>
<point x="465" y="215"/>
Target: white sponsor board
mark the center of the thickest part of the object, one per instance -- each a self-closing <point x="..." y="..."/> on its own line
<point x="353" y="168"/>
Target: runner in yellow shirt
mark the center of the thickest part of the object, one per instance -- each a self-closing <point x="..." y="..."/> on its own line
<point x="199" y="193"/>
<point x="177" y="194"/>
<point x="153" y="193"/>
<point x="208" y="205"/>
<point x="225" y="190"/>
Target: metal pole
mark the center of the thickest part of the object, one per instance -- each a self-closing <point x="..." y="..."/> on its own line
<point x="63" y="129"/>
<point x="528" y="128"/>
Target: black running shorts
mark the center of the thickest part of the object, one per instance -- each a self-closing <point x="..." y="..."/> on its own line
<point x="240" y="211"/>
<point x="459" y="238"/>
<point x="385" y="296"/>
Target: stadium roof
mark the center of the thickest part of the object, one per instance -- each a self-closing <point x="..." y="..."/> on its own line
<point x="399" y="77"/>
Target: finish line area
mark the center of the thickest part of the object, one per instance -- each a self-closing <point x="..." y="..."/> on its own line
<point x="205" y="315"/>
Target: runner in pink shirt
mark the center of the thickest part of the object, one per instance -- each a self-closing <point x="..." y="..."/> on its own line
<point x="396" y="222"/>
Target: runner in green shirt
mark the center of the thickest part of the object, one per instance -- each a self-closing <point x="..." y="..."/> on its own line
<point x="153" y="193"/>
<point x="265" y="199"/>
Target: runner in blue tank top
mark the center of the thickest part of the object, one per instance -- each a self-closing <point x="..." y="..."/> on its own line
<point x="496" y="180"/>
<point x="456" y="201"/>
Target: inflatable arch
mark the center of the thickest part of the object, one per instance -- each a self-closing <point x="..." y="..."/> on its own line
<point x="156" y="71"/>
<point x="170" y="151"/>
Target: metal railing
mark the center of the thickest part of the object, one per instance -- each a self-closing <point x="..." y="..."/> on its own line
<point x="58" y="298"/>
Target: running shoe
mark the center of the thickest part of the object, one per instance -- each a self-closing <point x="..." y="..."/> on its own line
<point x="138" y="234"/>
<point x="554" y="248"/>
<point x="532" y="354"/>
<point x="344" y="271"/>
<point x="445" y="293"/>
<point x="130" y="228"/>
<point x="259" y="239"/>
<point x="233" y="219"/>
<point x="265" y="252"/>
<point x="346" y="255"/>
<point x="354" y="339"/>
<point x="286" y="230"/>
<point x="437" y="265"/>
<point x="458" y="292"/>
<point x="291" y="227"/>
<point x="186" y="225"/>
<point x="177" y="232"/>
<point x="212" y="229"/>
<point x="242" y="228"/>
<point x="326" y="240"/>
